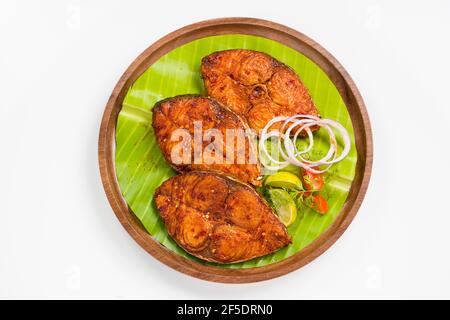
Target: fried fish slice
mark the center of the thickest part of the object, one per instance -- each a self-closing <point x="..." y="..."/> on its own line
<point x="218" y="219"/>
<point x="233" y="155"/>
<point x="255" y="86"/>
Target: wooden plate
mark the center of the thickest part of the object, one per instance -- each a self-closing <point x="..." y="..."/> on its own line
<point x="286" y="36"/>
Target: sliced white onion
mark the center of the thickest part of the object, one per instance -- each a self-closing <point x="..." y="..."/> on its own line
<point x="345" y="137"/>
<point x="290" y="143"/>
<point x="289" y="132"/>
<point x="262" y="147"/>
<point x="331" y="150"/>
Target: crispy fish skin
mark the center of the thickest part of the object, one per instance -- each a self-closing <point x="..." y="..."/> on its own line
<point x="219" y="219"/>
<point x="181" y="112"/>
<point x="255" y="86"/>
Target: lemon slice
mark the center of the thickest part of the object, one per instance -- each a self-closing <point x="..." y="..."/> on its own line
<point x="284" y="179"/>
<point x="284" y="206"/>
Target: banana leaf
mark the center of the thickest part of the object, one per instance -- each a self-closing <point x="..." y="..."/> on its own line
<point x="141" y="168"/>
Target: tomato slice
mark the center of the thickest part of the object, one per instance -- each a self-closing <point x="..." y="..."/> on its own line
<point x="319" y="204"/>
<point x="312" y="181"/>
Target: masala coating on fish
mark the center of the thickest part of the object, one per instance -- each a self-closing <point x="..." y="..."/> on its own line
<point x="234" y="154"/>
<point x="219" y="219"/>
<point x="255" y="86"/>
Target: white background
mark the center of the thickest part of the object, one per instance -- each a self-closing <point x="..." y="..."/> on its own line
<point x="59" y="61"/>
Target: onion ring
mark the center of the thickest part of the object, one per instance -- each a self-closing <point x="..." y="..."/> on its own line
<point x="294" y="125"/>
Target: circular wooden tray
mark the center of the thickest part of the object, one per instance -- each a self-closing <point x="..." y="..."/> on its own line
<point x="273" y="31"/>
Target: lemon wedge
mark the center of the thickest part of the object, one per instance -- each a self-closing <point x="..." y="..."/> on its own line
<point x="284" y="206"/>
<point x="283" y="179"/>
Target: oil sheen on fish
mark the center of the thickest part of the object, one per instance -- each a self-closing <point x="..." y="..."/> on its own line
<point x="218" y="219"/>
<point x="232" y="155"/>
<point x="255" y="86"/>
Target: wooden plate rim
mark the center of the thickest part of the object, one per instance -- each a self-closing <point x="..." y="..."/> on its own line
<point x="291" y="38"/>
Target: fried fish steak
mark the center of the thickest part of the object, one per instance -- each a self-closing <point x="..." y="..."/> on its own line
<point x="231" y="154"/>
<point x="218" y="219"/>
<point x="255" y="86"/>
